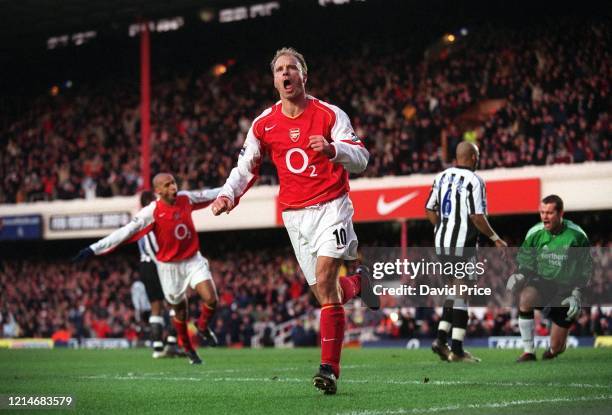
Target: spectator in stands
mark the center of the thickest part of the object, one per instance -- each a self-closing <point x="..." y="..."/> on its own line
<point x="533" y="96"/>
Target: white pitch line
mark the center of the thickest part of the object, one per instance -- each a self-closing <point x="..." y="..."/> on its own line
<point x="134" y="377"/>
<point x="490" y="405"/>
<point x="470" y="383"/>
<point x="131" y="376"/>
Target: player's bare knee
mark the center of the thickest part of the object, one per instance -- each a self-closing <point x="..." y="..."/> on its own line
<point x="527" y="299"/>
<point x="207" y="293"/>
<point x="557" y="346"/>
<point x="327" y="286"/>
<point x="156" y="308"/>
<point x="180" y="311"/>
<point x="210" y="298"/>
<point x="525" y="308"/>
<point x="180" y="315"/>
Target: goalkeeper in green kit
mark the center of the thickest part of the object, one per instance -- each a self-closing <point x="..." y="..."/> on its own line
<point x="554" y="265"/>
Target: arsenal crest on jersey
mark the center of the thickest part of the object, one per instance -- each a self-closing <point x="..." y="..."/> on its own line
<point x="294" y="134"/>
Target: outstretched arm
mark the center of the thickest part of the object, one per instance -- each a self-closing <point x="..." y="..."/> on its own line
<point x="201" y="198"/>
<point x="141" y="223"/>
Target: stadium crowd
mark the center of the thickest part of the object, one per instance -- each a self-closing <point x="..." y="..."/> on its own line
<point x="535" y="96"/>
<point x="258" y="288"/>
<point x="39" y="298"/>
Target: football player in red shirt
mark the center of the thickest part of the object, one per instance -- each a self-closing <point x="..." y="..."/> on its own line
<point x="180" y="263"/>
<point x="314" y="148"/>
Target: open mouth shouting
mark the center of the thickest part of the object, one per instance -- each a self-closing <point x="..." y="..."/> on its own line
<point x="288" y="86"/>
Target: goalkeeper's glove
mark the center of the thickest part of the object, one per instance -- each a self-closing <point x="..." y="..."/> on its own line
<point x="574" y="302"/>
<point x="514" y="282"/>
<point x="83" y="255"/>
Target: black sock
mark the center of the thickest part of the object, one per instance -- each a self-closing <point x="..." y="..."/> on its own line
<point x="156" y="336"/>
<point x="171" y="337"/>
<point x="460" y="320"/>
<point x="447" y="316"/>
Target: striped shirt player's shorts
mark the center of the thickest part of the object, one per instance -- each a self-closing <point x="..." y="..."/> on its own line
<point x="175" y="277"/>
<point x="325" y="229"/>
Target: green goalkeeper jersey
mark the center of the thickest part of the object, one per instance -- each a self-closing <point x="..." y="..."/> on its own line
<point x="564" y="257"/>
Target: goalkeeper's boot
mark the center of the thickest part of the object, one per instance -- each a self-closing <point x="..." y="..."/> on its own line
<point x="549" y="354"/>
<point x="526" y="357"/>
<point x="325" y="380"/>
<point x="209" y="337"/>
<point x="441" y="349"/>
<point x="367" y="289"/>
<point x="466" y="357"/>
<point x="193" y="357"/>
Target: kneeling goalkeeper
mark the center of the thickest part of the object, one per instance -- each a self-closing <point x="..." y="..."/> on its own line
<point x="554" y="266"/>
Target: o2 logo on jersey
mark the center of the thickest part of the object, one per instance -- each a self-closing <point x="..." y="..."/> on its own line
<point x="300" y="168"/>
<point x="447" y="205"/>
<point x="181" y="232"/>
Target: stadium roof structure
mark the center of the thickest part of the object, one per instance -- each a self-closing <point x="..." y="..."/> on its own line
<point x="25" y="19"/>
<point x="28" y="18"/>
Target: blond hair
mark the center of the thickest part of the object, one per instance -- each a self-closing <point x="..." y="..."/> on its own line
<point x="292" y="52"/>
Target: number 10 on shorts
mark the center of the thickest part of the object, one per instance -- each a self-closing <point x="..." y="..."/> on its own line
<point x="340" y="235"/>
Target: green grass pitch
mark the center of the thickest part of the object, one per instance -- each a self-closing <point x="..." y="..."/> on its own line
<point x="374" y="381"/>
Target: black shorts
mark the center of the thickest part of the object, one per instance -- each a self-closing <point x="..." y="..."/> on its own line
<point x="551" y="295"/>
<point x="150" y="279"/>
<point x="557" y="315"/>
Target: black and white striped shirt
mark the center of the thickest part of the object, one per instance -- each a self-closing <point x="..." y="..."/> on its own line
<point x="457" y="193"/>
<point x="147" y="245"/>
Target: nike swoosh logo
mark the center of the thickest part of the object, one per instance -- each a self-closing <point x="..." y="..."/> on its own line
<point x="328" y="340"/>
<point x="269" y="128"/>
<point x="162" y="214"/>
<point x="384" y="208"/>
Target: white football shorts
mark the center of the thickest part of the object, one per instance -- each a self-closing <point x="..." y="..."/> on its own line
<point x="176" y="276"/>
<point x="325" y="229"/>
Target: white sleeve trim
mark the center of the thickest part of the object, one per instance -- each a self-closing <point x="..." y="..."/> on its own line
<point x="479" y="195"/>
<point x="354" y="157"/>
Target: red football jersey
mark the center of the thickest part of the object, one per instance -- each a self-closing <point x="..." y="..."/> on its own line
<point x="172" y="225"/>
<point x="306" y="177"/>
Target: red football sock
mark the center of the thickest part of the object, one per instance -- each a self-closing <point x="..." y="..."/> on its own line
<point x="182" y="333"/>
<point x="351" y="287"/>
<point x="332" y="334"/>
<point x="205" y="313"/>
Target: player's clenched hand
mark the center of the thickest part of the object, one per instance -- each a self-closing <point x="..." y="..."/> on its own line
<point x="320" y="144"/>
<point x="83" y="255"/>
<point x="221" y="204"/>
<point x="574" y="302"/>
<point x="500" y="243"/>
